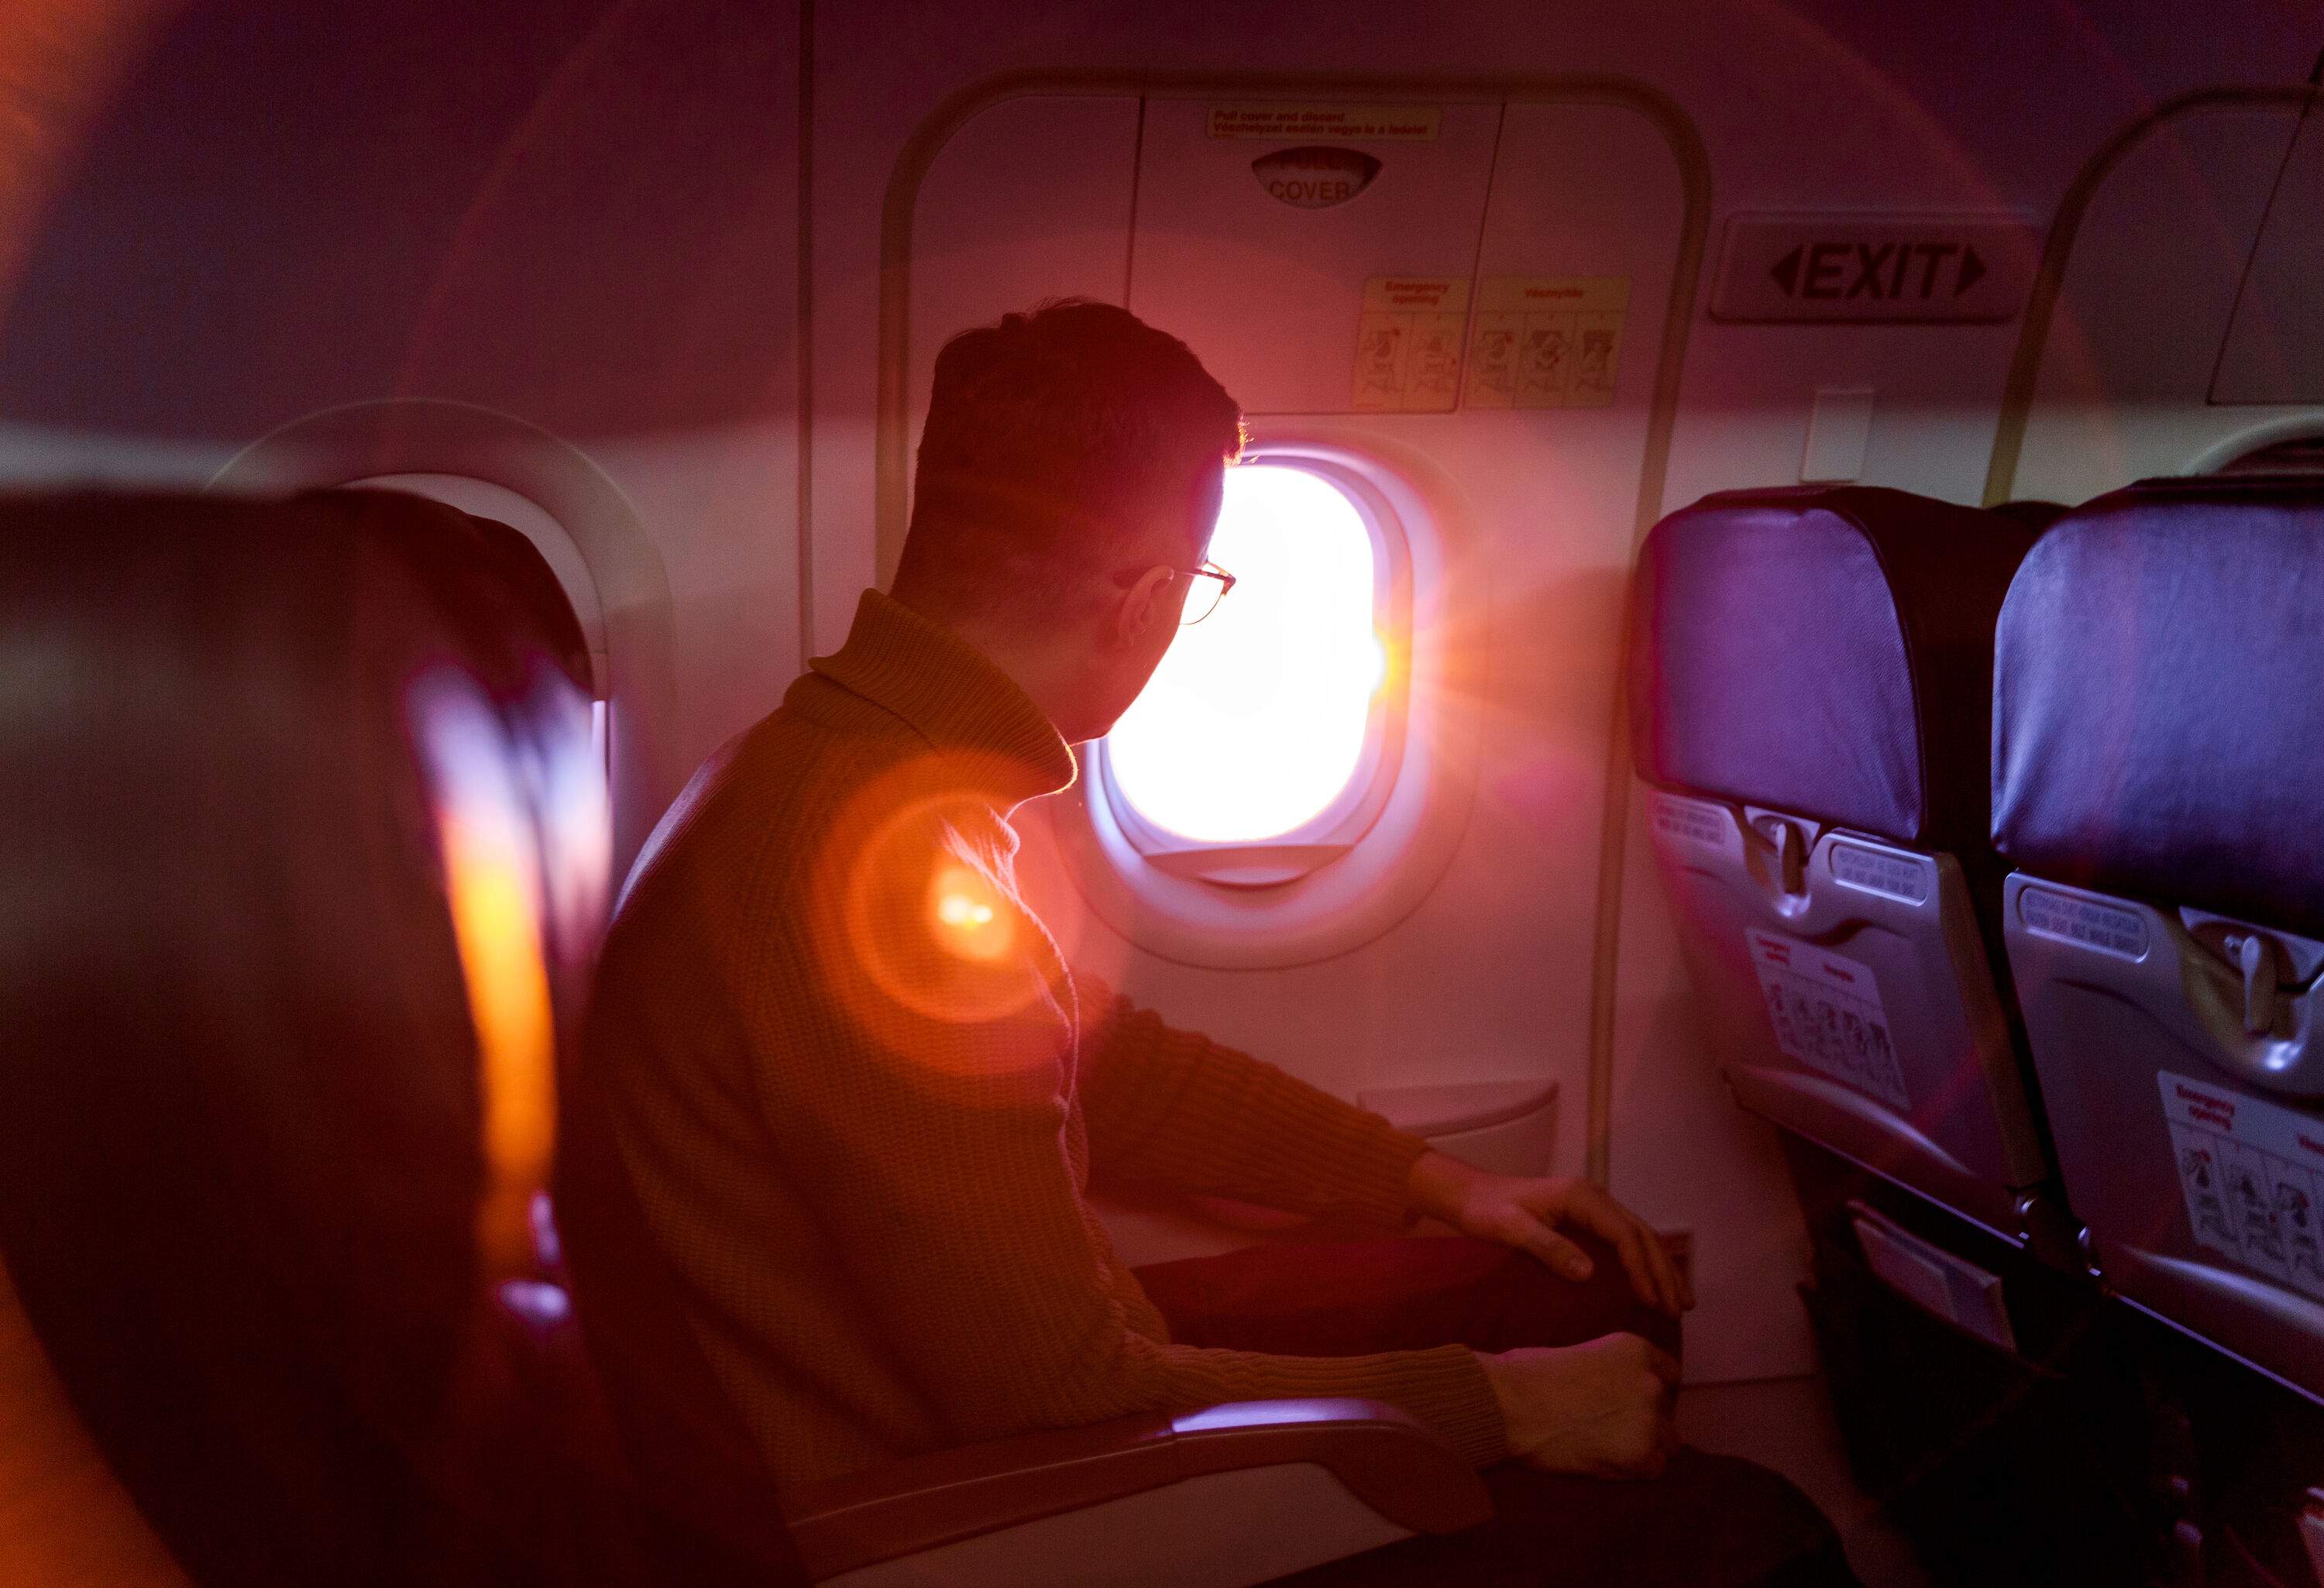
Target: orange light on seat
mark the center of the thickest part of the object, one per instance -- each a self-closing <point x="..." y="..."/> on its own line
<point x="492" y="877"/>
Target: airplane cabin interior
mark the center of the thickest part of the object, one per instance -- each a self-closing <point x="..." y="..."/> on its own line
<point x="1754" y="687"/>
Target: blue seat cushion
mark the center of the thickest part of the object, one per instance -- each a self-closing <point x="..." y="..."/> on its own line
<point x="2159" y="699"/>
<point x="1826" y="651"/>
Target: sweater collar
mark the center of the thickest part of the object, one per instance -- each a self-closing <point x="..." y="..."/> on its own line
<point x="954" y="695"/>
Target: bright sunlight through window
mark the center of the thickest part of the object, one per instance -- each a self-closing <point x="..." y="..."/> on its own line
<point x="1257" y="717"/>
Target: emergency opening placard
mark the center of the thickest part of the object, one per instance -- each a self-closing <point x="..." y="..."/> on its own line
<point x="1408" y="344"/>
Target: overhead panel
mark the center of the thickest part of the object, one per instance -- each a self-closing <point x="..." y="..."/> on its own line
<point x="1029" y="200"/>
<point x="1318" y="255"/>
<point x="2274" y="348"/>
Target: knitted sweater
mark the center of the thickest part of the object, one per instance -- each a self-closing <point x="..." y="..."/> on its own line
<point x="861" y="1096"/>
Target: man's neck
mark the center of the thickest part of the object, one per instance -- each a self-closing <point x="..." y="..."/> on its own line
<point x="1037" y="670"/>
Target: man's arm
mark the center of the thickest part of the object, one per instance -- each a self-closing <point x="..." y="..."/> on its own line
<point x="918" y="1097"/>
<point x="1173" y="1108"/>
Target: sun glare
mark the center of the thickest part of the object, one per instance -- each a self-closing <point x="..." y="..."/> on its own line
<point x="1256" y="719"/>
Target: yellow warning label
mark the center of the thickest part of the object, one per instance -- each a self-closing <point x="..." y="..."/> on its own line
<point x="1376" y="123"/>
<point x="1546" y="341"/>
<point x="1408" y="344"/>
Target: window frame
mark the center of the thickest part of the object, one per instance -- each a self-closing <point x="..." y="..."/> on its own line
<point x="1332" y="832"/>
<point x="1091" y="878"/>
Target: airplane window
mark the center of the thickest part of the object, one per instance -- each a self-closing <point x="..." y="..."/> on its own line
<point x="1258" y="722"/>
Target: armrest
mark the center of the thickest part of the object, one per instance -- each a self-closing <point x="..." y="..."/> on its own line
<point x="1400" y="1469"/>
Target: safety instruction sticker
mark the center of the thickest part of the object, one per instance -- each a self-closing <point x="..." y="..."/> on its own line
<point x="1546" y="341"/>
<point x="2253" y="1173"/>
<point x="1695" y="820"/>
<point x="1307" y="121"/>
<point x="1827" y="1014"/>
<point x="1408" y="344"/>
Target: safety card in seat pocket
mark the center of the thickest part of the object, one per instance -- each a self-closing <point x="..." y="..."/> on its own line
<point x="1827" y="1014"/>
<point x="2253" y="1173"/>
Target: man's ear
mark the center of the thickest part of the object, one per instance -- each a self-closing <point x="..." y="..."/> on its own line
<point x="1141" y="606"/>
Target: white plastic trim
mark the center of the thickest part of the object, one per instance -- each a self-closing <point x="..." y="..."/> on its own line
<point x="1352" y="885"/>
<point x="2252" y="438"/>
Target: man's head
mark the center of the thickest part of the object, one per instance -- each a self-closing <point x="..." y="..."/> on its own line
<point x="1069" y="480"/>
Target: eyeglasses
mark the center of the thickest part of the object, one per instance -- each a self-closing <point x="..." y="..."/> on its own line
<point x="1201" y="600"/>
<point x="1204" y="598"/>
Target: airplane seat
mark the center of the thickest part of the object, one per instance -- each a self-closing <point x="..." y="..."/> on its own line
<point x="1809" y="676"/>
<point x="2158" y="783"/>
<point x="302" y="855"/>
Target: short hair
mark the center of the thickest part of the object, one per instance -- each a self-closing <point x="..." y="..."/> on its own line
<point x="1049" y="433"/>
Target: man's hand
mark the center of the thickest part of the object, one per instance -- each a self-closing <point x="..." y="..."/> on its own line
<point x="1525" y="1212"/>
<point x="1601" y="1409"/>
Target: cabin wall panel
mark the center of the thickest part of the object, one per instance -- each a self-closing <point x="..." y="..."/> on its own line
<point x="2274" y="349"/>
<point x="2147" y="299"/>
<point x="1031" y="200"/>
<point x="718" y="507"/>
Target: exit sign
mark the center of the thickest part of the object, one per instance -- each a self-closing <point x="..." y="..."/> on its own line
<point x="1874" y="268"/>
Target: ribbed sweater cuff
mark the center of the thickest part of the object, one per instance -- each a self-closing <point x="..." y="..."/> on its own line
<point x="1454" y="1398"/>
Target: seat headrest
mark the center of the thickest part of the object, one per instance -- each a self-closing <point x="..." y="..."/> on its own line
<point x="1826" y="651"/>
<point x="2159" y="699"/>
<point x="285" y="784"/>
<point x="492" y="585"/>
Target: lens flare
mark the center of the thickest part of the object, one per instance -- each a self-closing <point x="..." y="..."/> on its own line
<point x="968" y="909"/>
<point x="916" y="931"/>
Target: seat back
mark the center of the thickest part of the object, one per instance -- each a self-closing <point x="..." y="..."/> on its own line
<point x="2158" y="779"/>
<point x="1809" y="676"/>
<point x="304" y="854"/>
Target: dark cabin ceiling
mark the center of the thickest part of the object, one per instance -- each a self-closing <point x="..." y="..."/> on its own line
<point x="579" y="212"/>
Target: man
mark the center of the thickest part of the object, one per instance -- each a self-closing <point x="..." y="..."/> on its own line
<point x="862" y="1097"/>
